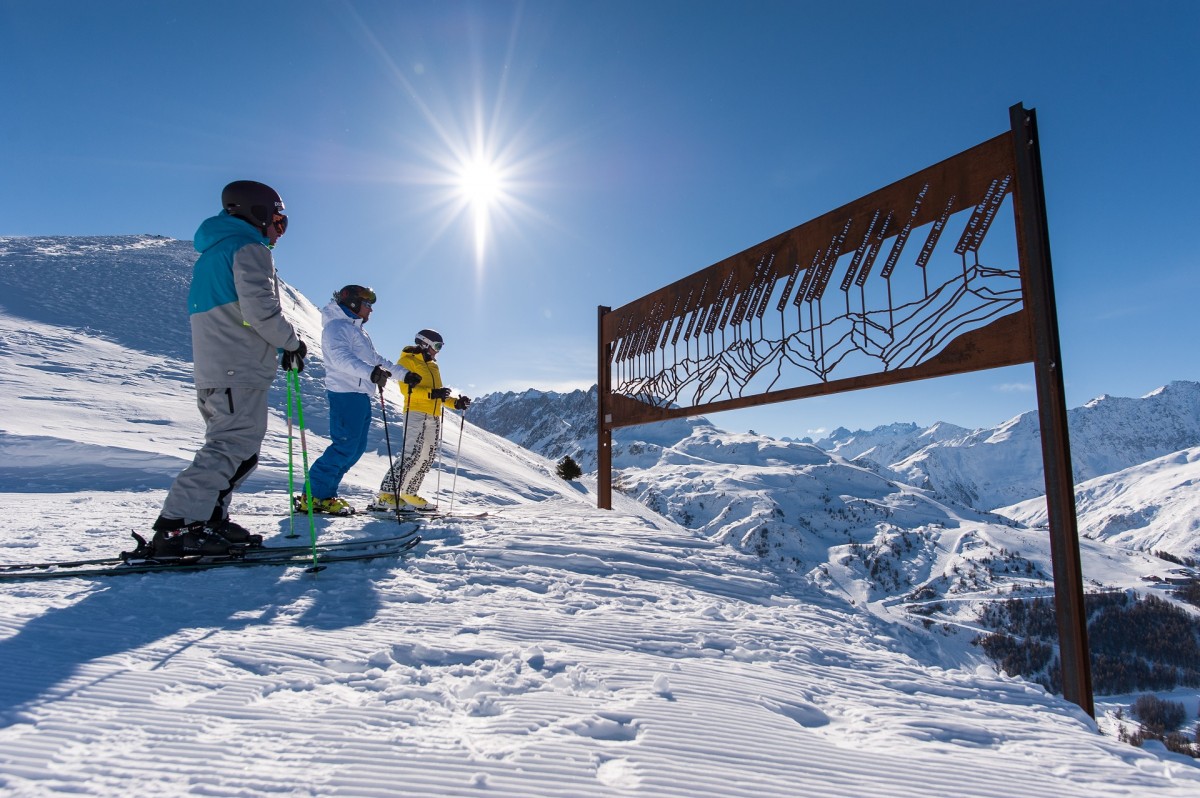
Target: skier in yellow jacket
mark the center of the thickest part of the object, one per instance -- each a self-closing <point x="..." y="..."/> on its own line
<point x="423" y="405"/>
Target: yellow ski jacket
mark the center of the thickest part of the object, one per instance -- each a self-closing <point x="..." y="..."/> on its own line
<point x="413" y="359"/>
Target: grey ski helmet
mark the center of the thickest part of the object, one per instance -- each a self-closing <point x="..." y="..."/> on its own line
<point x="430" y="339"/>
<point x="352" y="296"/>
<point x="255" y="202"/>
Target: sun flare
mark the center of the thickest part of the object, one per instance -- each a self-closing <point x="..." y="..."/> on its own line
<point x="469" y="141"/>
<point x="480" y="183"/>
<point x="479" y="164"/>
<point x="481" y="189"/>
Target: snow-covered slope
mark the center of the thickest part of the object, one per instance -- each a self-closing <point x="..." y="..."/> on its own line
<point x="889" y="443"/>
<point x="983" y="469"/>
<point x="557" y="425"/>
<point x="988" y="468"/>
<point x="113" y="309"/>
<point x="1153" y="506"/>
<point x="1001" y="466"/>
<point x="769" y="647"/>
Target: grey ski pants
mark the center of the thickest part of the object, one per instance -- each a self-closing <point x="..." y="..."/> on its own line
<point x="235" y="421"/>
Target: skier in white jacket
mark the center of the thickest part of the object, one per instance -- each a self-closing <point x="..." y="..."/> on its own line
<point x="354" y="371"/>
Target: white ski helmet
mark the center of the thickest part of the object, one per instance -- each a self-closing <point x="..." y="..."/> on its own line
<point x="430" y="339"/>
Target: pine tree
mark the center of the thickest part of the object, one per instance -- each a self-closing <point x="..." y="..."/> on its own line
<point x="568" y="469"/>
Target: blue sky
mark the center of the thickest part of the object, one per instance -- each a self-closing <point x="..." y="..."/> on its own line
<point x="635" y="143"/>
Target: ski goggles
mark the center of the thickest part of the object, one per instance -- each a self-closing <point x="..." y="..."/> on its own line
<point x="427" y="343"/>
<point x="280" y="222"/>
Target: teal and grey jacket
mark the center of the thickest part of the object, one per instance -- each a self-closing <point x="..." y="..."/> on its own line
<point x="238" y="326"/>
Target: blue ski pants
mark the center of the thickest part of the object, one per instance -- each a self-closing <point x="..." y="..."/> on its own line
<point x="349" y="424"/>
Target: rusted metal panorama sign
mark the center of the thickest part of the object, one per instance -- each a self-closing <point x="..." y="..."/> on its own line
<point x="872" y="293"/>
<point x="944" y="272"/>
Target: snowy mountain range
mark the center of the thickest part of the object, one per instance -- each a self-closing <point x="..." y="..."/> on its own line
<point x="757" y="617"/>
<point x="1117" y="439"/>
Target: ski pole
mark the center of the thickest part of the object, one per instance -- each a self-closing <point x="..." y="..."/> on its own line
<point x="291" y="404"/>
<point x="397" y="478"/>
<point x="437" y="489"/>
<point x="294" y="375"/>
<point x="391" y="460"/>
<point x="462" y="421"/>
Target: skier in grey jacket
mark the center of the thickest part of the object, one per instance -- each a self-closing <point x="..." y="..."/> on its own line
<point x="238" y="329"/>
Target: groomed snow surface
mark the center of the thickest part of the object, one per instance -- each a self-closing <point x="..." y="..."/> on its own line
<point x="549" y="649"/>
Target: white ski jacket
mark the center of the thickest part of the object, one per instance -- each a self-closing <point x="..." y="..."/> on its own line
<point x="350" y="357"/>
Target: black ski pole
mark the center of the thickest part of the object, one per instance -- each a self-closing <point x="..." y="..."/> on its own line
<point x="397" y="478"/>
<point x="462" y="422"/>
<point x="391" y="460"/>
<point x="437" y="492"/>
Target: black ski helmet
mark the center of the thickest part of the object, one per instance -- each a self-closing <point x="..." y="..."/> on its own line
<point x="352" y="296"/>
<point x="255" y="202"/>
<point x="430" y="339"/>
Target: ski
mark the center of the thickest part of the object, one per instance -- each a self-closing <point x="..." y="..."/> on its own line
<point x="30" y="566"/>
<point x="262" y="556"/>
<point x="342" y="544"/>
<point x="417" y="515"/>
<point x="305" y="548"/>
<point x="412" y="515"/>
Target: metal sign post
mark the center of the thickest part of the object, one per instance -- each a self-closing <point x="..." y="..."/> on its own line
<point x="870" y="294"/>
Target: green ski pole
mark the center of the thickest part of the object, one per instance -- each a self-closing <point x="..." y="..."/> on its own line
<point x="294" y="375"/>
<point x="291" y="410"/>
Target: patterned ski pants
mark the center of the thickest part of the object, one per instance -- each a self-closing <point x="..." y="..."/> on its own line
<point x="422" y="434"/>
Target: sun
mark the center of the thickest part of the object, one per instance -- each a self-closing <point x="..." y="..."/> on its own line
<point x="481" y="186"/>
<point x="477" y="151"/>
<point x="480" y="182"/>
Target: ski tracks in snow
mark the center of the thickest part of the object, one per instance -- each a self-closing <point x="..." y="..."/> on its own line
<point x="552" y="650"/>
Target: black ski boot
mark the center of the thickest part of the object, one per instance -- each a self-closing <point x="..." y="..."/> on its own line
<point x="141" y="552"/>
<point x="192" y="540"/>
<point x="237" y="534"/>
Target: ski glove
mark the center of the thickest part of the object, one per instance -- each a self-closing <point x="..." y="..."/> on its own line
<point x="412" y="378"/>
<point x="294" y="359"/>
<point x="379" y="376"/>
<point x="462" y="403"/>
<point x="439" y="393"/>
